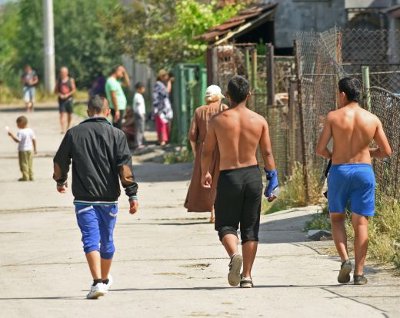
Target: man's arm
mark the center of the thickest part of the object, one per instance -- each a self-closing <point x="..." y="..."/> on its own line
<point x="35" y="80"/>
<point x="126" y="82"/>
<point x="125" y="169"/>
<point x="62" y="161"/>
<point x="73" y="88"/>
<point x="266" y="149"/>
<point x="326" y="135"/>
<point x="272" y="188"/>
<point x="208" y="148"/>
<point x="383" y="150"/>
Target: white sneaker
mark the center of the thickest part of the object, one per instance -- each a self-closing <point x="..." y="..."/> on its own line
<point x="110" y="282"/>
<point x="97" y="291"/>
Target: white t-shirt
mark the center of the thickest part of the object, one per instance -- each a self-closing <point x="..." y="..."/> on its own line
<point x="25" y="137"/>
<point x="139" y="106"/>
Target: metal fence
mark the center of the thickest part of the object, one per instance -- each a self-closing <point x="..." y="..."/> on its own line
<point x="296" y="93"/>
<point x="322" y="59"/>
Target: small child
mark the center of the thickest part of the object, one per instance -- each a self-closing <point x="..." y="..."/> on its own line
<point x="26" y="143"/>
<point x="139" y="109"/>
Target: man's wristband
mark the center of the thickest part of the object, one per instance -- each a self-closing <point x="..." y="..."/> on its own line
<point x="62" y="184"/>
<point x="133" y="198"/>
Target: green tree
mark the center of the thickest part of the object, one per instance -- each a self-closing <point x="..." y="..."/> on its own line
<point x="163" y="34"/>
<point x="82" y="41"/>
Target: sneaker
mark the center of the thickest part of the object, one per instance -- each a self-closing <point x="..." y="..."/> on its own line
<point x="110" y="282"/>
<point x="344" y="273"/>
<point x="360" y="280"/>
<point x="96" y="291"/>
<point x="234" y="269"/>
<point x="246" y="282"/>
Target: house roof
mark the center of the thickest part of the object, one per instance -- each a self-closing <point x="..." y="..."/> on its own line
<point x="246" y="20"/>
<point x="393" y="11"/>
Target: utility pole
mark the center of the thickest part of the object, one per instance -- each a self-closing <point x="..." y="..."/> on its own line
<point x="49" y="53"/>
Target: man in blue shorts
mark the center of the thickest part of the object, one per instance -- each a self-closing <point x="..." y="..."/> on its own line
<point x="100" y="158"/>
<point x="351" y="180"/>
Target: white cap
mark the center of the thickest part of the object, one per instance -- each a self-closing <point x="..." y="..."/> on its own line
<point x="214" y="90"/>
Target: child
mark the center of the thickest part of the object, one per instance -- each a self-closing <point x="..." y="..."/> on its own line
<point x="139" y="109"/>
<point x="26" y="143"/>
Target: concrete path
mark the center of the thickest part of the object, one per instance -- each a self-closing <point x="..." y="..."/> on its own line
<point x="168" y="263"/>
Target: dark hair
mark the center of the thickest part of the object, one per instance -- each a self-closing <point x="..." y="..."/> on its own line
<point x="96" y="104"/>
<point x="351" y="87"/>
<point x="139" y="85"/>
<point x="114" y="69"/>
<point x="238" y="89"/>
<point x="22" y="120"/>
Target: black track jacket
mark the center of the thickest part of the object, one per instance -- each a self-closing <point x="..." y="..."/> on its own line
<point x="100" y="157"/>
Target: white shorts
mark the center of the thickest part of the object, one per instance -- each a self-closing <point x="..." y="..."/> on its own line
<point x="29" y="94"/>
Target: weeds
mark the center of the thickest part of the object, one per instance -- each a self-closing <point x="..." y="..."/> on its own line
<point x="180" y="155"/>
<point x="383" y="231"/>
<point x="292" y="193"/>
<point x="319" y="221"/>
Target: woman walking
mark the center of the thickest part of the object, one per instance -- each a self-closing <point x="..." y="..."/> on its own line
<point x="162" y="109"/>
<point x="200" y="199"/>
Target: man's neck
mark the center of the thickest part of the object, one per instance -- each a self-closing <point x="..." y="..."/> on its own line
<point x="239" y="105"/>
<point x="351" y="104"/>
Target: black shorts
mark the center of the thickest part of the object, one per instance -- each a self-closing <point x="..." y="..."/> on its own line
<point x="238" y="201"/>
<point x="65" y="106"/>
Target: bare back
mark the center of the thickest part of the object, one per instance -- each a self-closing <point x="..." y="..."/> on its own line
<point x="238" y="132"/>
<point x="353" y="129"/>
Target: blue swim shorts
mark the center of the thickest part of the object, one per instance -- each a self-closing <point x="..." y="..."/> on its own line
<point x="352" y="184"/>
<point x="97" y="223"/>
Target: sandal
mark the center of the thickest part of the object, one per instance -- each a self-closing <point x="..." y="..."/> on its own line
<point x="246" y="282"/>
<point x="344" y="273"/>
<point x="234" y="270"/>
<point x="360" y="280"/>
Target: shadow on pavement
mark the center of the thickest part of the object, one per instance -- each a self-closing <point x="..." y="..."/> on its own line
<point x="288" y="230"/>
<point x="157" y="172"/>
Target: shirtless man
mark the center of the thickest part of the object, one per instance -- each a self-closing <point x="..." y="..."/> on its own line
<point x="237" y="132"/>
<point x="351" y="177"/>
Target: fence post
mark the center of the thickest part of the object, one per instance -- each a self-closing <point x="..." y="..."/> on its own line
<point x="366" y="85"/>
<point x="247" y="60"/>
<point x="254" y="69"/>
<point x="292" y="126"/>
<point x="270" y="74"/>
<point x="302" y="130"/>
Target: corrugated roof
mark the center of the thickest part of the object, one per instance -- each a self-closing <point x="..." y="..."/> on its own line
<point x="247" y="16"/>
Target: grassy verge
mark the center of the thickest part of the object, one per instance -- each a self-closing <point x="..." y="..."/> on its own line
<point x="180" y="155"/>
<point x="383" y="231"/>
<point x="80" y="110"/>
<point x="292" y="193"/>
<point x="14" y="95"/>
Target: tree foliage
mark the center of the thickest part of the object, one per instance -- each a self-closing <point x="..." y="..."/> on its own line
<point x="163" y="33"/>
<point x="82" y="41"/>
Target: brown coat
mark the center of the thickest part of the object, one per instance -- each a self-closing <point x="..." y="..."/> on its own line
<point x="200" y="199"/>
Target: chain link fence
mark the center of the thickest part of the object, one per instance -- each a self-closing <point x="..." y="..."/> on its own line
<point x="322" y="59"/>
<point x="296" y="93"/>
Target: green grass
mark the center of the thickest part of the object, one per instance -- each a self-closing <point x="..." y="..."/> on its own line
<point x="292" y="193"/>
<point x="80" y="110"/>
<point x="383" y="231"/>
<point x="180" y="155"/>
<point x="319" y="221"/>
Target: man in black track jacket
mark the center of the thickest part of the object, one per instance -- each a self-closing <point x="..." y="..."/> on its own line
<point x="100" y="158"/>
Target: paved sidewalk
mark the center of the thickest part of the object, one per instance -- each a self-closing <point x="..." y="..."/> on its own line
<point x="168" y="263"/>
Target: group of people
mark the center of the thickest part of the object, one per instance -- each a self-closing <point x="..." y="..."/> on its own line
<point x="226" y="175"/>
<point x="131" y="120"/>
